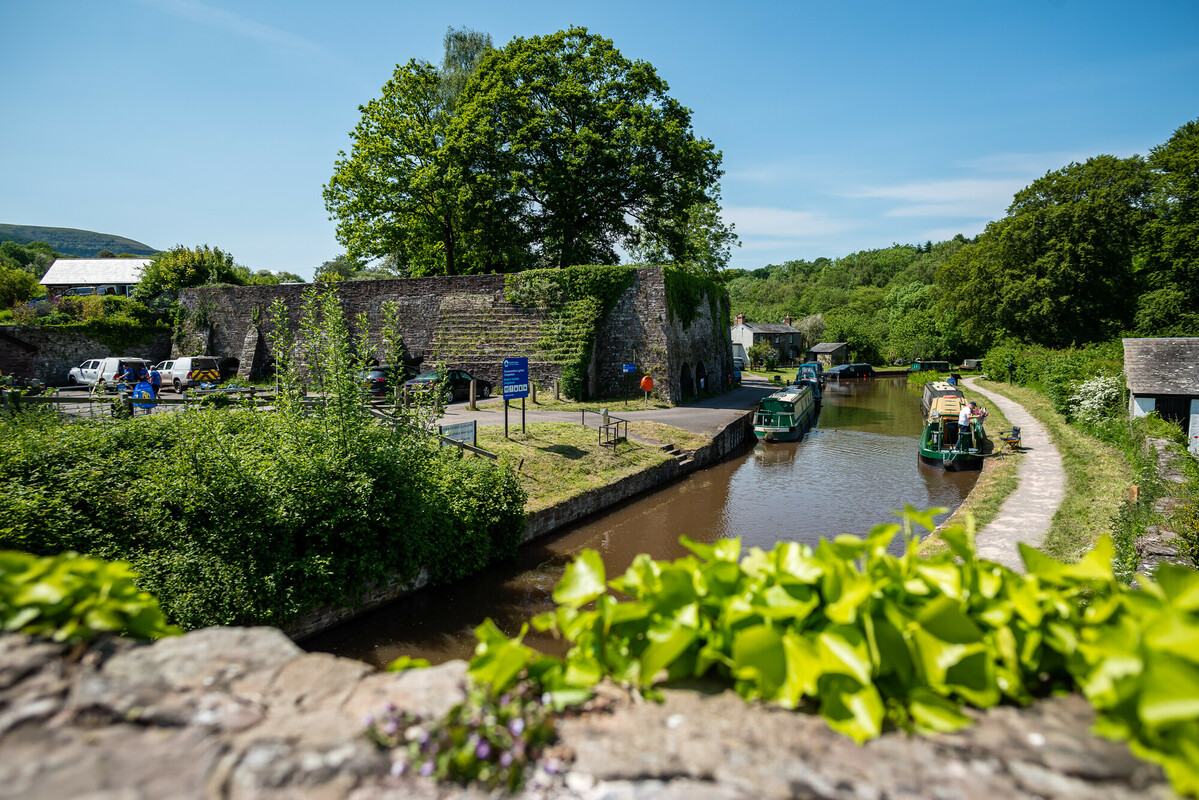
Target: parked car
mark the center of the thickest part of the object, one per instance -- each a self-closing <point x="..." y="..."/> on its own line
<point x="104" y="369"/>
<point x="188" y="371"/>
<point x="457" y="384"/>
<point x="78" y="291"/>
<point x="382" y="379"/>
<point x="849" y="371"/>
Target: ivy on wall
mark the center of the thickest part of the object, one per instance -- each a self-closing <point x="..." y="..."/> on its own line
<point x="577" y="299"/>
<point x="118" y="335"/>
<point x="684" y="293"/>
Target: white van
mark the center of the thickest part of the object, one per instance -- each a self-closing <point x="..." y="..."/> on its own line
<point x="103" y="369"/>
<point x="188" y="371"/>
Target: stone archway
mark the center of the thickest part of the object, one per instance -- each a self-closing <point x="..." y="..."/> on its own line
<point x="701" y="376"/>
<point x="229" y="367"/>
<point x="686" y="382"/>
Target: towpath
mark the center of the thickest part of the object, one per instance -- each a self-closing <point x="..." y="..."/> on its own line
<point x="1041" y="485"/>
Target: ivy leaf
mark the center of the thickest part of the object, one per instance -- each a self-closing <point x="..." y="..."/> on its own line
<point x="932" y="712"/>
<point x="582" y="582"/>
<point x="850" y="707"/>
<point x="759" y="658"/>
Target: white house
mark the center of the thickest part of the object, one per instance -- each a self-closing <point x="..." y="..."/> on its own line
<point x="782" y="337"/>
<point x="119" y="274"/>
<point x="1162" y="375"/>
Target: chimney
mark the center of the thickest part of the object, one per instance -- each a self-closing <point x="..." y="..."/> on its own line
<point x="740" y="320"/>
<point x="787" y="320"/>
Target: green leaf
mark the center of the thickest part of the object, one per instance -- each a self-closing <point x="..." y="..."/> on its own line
<point x="1170" y="691"/>
<point x="931" y="712"/>
<point x="850" y="707"/>
<point x="1180" y="585"/>
<point x="758" y="656"/>
<point x="843" y="650"/>
<point x="582" y="582"/>
<point x="668" y="639"/>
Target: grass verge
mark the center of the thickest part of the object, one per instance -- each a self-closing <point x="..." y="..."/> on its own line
<point x="559" y="460"/>
<point x="995" y="483"/>
<point x="1097" y="477"/>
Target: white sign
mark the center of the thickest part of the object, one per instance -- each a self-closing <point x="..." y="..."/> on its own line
<point x="460" y="432"/>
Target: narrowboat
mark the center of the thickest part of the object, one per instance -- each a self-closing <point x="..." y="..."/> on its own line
<point x="813" y="367"/>
<point x="785" y="416"/>
<point x="809" y="376"/>
<point x="943" y="445"/>
<point x="935" y="389"/>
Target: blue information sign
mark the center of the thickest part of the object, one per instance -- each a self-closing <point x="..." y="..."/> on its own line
<point x="516" y="377"/>
<point x="628" y="368"/>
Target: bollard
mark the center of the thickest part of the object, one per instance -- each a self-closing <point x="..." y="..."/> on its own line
<point x="474" y="389"/>
<point x="557" y="397"/>
<point x="1134" y="494"/>
<point x="533" y="391"/>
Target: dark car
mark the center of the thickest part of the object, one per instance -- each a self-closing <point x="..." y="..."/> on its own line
<point x="849" y="371"/>
<point x="381" y="380"/>
<point x="457" y="384"/>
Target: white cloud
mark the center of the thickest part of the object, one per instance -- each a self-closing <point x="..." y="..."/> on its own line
<point x="974" y="198"/>
<point x="782" y="223"/>
<point x="237" y="24"/>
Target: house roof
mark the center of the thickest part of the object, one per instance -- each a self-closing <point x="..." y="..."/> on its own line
<point x="827" y="347"/>
<point x="770" y="327"/>
<point x="91" y="271"/>
<point x="1162" y="366"/>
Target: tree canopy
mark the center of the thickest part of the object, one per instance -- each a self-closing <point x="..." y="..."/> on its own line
<point x="182" y="268"/>
<point x="551" y="151"/>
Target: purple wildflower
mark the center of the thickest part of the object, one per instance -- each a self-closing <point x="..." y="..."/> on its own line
<point x="398" y="768"/>
<point x="483" y="750"/>
<point x="391" y="728"/>
<point x="506" y="760"/>
<point x="517" y="726"/>
<point x="426" y="769"/>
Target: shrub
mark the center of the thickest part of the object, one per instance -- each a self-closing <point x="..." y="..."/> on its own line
<point x="1097" y="398"/>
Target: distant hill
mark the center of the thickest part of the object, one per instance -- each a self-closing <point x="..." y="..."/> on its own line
<point x="74" y="242"/>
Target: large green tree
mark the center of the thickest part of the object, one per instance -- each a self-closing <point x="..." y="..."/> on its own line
<point x="701" y="242"/>
<point x="1058" y="268"/>
<point x="400" y="194"/>
<point x="587" y="143"/>
<point x="182" y="267"/>
<point x="1171" y="275"/>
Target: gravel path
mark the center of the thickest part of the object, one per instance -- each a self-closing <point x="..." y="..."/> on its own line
<point x="1041" y="485"/>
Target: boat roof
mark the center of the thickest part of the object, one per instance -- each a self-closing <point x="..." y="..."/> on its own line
<point x="948" y="405"/>
<point x="939" y="388"/>
<point x="791" y="394"/>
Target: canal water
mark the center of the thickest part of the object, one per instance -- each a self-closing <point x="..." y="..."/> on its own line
<point x="858" y="464"/>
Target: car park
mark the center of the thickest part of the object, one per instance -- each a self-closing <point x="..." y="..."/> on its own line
<point x="382" y="379"/>
<point x="457" y="384"/>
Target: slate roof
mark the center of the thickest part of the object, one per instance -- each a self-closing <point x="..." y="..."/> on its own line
<point x="91" y="271"/>
<point x="1162" y="366"/>
<point x="827" y="347"/>
<point x="770" y="327"/>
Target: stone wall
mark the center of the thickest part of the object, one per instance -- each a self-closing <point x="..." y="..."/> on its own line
<point x="47" y="353"/>
<point x="467" y="322"/>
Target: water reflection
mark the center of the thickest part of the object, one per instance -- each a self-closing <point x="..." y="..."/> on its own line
<point x="846" y="475"/>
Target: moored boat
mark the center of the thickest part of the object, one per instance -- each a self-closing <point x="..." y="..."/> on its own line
<point x="785" y="416"/>
<point x="808" y="375"/>
<point x="942" y="444"/>
<point x="935" y="389"/>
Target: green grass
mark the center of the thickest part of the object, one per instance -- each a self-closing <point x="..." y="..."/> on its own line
<point x="1097" y="477"/>
<point x="559" y="460"/>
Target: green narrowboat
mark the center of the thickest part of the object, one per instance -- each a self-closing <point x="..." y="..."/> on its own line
<point x="785" y="416"/>
<point x="943" y="445"/>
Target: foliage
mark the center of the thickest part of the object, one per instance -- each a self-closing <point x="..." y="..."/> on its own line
<point x="762" y="354"/>
<point x="579" y="141"/>
<point x="16" y="286"/>
<point x="872" y="639"/>
<point x="255" y="518"/>
<point x="1053" y="372"/>
<point x="1097" y="398"/>
<point x="684" y="293"/>
<point x="73" y="599"/>
<point x="578" y="299"/>
<point x="706" y="242"/>
<point x="1173" y="235"/>
<point x="182" y="268"/>
<point x="488" y="738"/>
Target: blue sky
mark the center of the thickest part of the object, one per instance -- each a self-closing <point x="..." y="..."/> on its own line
<point x="844" y="125"/>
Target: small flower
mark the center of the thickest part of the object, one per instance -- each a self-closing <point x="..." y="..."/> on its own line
<point x="483" y="750"/>
<point x="398" y="768"/>
<point x="506" y="760"/>
<point x="517" y="726"/>
<point x="505" y="700"/>
<point x="391" y="728"/>
<point x="426" y="769"/>
<point x="368" y="720"/>
<point x="390" y="707"/>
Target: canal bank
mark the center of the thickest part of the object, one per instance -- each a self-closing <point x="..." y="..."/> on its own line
<point x="730" y="437"/>
<point x="849" y="473"/>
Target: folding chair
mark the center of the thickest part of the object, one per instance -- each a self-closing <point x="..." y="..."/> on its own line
<point x="1010" y="440"/>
